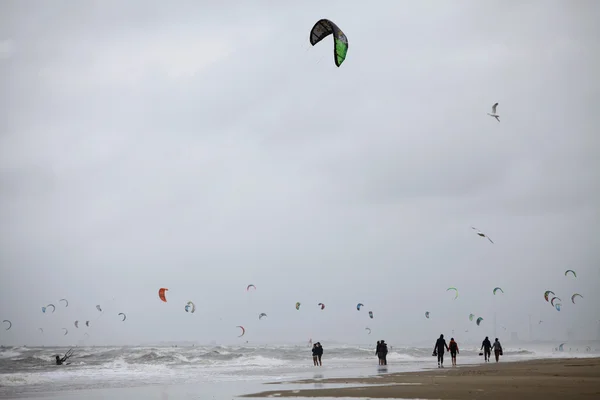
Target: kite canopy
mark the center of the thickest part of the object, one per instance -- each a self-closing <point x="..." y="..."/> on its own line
<point x="190" y="307"/>
<point x="359" y="305"/>
<point x="547" y="293"/>
<point x="371" y="314"/>
<point x="161" y="294"/>
<point x="76" y="323"/>
<point x="48" y="306"/>
<point x="554" y="298"/>
<point x="471" y="316"/>
<point x="243" y="330"/>
<point x="41" y="330"/>
<point x="66" y="302"/>
<point x="571" y="271"/>
<point x="66" y="331"/>
<point x="426" y="314"/>
<point x="455" y="289"/>
<point x="261" y="315"/>
<point x="496" y="289"/>
<point x="561" y="346"/>
<point x="573" y="297"/>
<point x="324" y="28"/>
<point x="98" y="307"/>
<point x="479" y="320"/>
<point x="368" y="329"/>
<point x="9" y="324"/>
<point x="87" y="323"/>
<point x="297" y="305"/>
<point x="124" y="316"/>
<point x="557" y="306"/>
<point x="322" y="306"/>
<point x="250" y="286"/>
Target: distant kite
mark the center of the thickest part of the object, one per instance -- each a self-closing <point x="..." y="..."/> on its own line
<point x="573" y="297"/>
<point x="456" y="290"/>
<point x="161" y="294"/>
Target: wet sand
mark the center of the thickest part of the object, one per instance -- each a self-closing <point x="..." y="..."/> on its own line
<point x="549" y="379"/>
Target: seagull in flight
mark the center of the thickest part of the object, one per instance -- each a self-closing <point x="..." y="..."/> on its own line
<point x="482" y="234"/>
<point x="493" y="114"/>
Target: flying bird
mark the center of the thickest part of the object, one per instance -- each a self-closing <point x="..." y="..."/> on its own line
<point x="493" y="114"/>
<point x="482" y="234"/>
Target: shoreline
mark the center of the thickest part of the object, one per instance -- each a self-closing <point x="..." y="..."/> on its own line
<point x="566" y="378"/>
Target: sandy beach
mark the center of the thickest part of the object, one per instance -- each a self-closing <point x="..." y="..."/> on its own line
<point x="536" y="379"/>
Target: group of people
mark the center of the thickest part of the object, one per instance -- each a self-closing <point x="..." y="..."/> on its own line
<point x="487" y="347"/>
<point x="317" y="352"/>
<point x="381" y="352"/>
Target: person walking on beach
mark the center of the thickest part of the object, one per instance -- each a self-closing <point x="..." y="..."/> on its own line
<point x="438" y="349"/>
<point x="486" y="346"/>
<point x="497" y="349"/>
<point x="378" y="351"/>
<point x="383" y="350"/>
<point x="453" y="351"/>
<point x="315" y="355"/>
<point x="319" y="353"/>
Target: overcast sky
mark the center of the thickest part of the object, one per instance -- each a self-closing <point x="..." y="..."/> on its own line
<point x="204" y="147"/>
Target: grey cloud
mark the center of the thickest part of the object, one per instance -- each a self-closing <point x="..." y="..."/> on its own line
<point x="202" y="148"/>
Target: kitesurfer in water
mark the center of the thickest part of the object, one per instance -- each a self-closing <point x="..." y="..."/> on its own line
<point x="315" y="355"/>
<point x="486" y="346"/>
<point x="68" y="354"/>
<point x="497" y="349"/>
<point x="453" y="351"/>
<point x="319" y="353"/>
<point x="438" y="349"/>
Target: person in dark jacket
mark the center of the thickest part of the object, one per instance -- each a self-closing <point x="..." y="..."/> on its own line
<point x="319" y="353"/>
<point x="453" y="351"/>
<point x="486" y="346"/>
<point x="439" y="348"/>
<point x="383" y="350"/>
<point x="315" y="355"/>
<point x="378" y="351"/>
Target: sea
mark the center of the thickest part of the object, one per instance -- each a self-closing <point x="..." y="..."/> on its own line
<point x="208" y="372"/>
